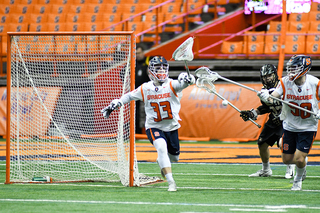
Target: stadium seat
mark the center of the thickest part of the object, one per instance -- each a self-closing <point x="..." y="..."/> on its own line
<point x="57" y="2"/>
<point x="23" y="27"/>
<point x="31" y="2"/>
<point x="37" y="18"/>
<point x="56" y="27"/>
<point x="59" y="9"/>
<point x="150" y="24"/>
<point x="314" y="26"/>
<point x="298" y="26"/>
<point x="112" y="18"/>
<point x="253" y="47"/>
<point x="137" y="27"/>
<point x="21" y="9"/>
<point x="92" y="26"/>
<point x="6" y="9"/>
<point x="37" y="27"/>
<point x="293" y="47"/>
<point x="75" y="18"/>
<point x="94" y="17"/>
<point x="127" y="16"/>
<point x="19" y="18"/>
<point x="174" y="8"/>
<point x="63" y="46"/>
<point x="4" y="18"/>
<point x="313" y="47"/>
<point x="271" y="48"/>
<point x="175" y="25"/>
<point x="113" y="8"/>
<point x="254" y="36"/>
<point x="275" y="26"/>
<point x="98" y="1"/>
<point x="315" y="6"/>
<point x="95" y="8"/>
<point x="314" y="16"/>
<point x="74" y="26"/>
<point x="313" y="36"/>
<point x="41" y="9"/>
<point x="56" y="18"/>
<point x="77" y="9"/>
<point x="298" y="17"/>
<point x="296" y="37"/>
<point x="232" y="47"/>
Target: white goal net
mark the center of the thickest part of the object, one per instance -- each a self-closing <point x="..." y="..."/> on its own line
<point x="57" y="85"/>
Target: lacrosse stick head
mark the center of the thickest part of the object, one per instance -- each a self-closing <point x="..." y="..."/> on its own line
<point x="184" y="51"/>
<point x="205" y="72"/>
<point x="206" y="84"/>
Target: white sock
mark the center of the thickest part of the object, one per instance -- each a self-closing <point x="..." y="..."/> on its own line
<point x="299" y="173"/>
<point x="169" y="177"/>
<point x="266" y="166"/>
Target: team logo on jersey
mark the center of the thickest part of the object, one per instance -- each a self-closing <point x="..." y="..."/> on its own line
<point x="299" y="90"/>
<point x="156" y="89"/>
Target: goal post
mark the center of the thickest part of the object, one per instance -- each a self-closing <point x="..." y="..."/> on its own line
<point x="57" y="84"/>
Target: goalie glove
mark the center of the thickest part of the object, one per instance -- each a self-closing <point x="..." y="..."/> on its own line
<point x="115" y="104"/>
<point x="184" y="77"/>
<point x="247" y="114"/>
<point x="318" y="116"/>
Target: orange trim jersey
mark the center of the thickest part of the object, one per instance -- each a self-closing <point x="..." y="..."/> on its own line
<point x="162" y="103"/>
<point x="305" y="96"/>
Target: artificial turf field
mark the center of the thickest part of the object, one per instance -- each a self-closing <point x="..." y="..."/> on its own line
<point x="211" y="177"/>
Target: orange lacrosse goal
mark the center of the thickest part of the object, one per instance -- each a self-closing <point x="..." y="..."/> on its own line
<point x="57" y="84"/>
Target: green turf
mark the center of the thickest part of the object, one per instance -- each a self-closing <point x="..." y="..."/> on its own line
<point x="201" y="188"/>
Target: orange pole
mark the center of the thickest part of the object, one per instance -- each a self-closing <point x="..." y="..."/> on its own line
<point x="132" y="109"/>
<point x="8" y="111"/>
<point x="282" y="38"/>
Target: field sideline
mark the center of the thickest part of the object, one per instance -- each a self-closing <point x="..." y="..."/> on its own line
<point x="211" y="177"/>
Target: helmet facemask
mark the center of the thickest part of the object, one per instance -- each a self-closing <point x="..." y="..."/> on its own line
<point x="298" y="66"/>
<point x="158" y="72"/>
<point x="269" y="76"/>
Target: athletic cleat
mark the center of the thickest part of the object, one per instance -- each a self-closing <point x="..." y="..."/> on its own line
<point x="172" y="186"/>
<point x="262" y="173"/>
<point x="297" y="185"/>
<point x="162" y="174"/>
<point x="290" y="171"/>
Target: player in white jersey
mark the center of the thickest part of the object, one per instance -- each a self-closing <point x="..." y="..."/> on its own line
<point x="161" y="97"/>
<point x="300" y="127"/>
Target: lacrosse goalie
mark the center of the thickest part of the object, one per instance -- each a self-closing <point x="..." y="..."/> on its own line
<point x="161" y="97"/>
<point x="299" y="126"/>
<point x="272" y="130"/>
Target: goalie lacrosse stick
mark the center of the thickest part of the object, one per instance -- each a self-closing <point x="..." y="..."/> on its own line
<point x="205" y="72"/>
<point x="184" y="53"/>
<point x="207" y="84"/>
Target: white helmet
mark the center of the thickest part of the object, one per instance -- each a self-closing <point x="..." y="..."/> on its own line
<point x="297" y="66"/>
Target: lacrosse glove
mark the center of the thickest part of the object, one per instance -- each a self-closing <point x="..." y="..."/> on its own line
<point x="318" y="116"/>
<point x="184" y="77"/>
<point x="115" y="104"/>
<point x="264" y="95"/>
<point x="247" y="114"/>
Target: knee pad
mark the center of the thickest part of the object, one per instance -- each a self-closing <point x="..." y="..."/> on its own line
<point x="161" y="145"/>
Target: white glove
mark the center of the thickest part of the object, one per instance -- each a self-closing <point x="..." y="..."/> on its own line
<point x="184" y="77"/>
<point x="264" y="95"/>
<point x="318" y="116"/>
<point x="115" y="104"/>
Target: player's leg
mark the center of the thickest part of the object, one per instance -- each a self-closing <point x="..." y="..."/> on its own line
<point x="290" y="167"/>
<point x="158" y="139"/>
<point x="263" y="144"/>
<point x="304" y="143"/>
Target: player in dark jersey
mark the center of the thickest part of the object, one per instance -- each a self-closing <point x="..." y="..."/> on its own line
<point x="272" y="130"/>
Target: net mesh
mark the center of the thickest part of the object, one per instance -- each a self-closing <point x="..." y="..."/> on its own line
<point x="59" y="84"/>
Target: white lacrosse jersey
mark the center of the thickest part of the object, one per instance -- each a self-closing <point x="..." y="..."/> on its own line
<point x="305" y="96"/>
<point x="162" y="105"/>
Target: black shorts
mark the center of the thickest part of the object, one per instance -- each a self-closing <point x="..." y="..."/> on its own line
<point x="172" y="139"/>
<point x="297" y="140"/>
<point x="270" y="135"/>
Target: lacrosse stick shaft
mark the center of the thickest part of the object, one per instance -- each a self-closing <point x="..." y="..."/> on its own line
<point x="275" y="98"/>
<point x="234" y="107"/>
<point x="187" y="68"/>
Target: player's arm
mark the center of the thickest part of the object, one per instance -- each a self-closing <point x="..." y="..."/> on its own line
<point x="183" y="82"/>
<point x="117" y="103"/>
